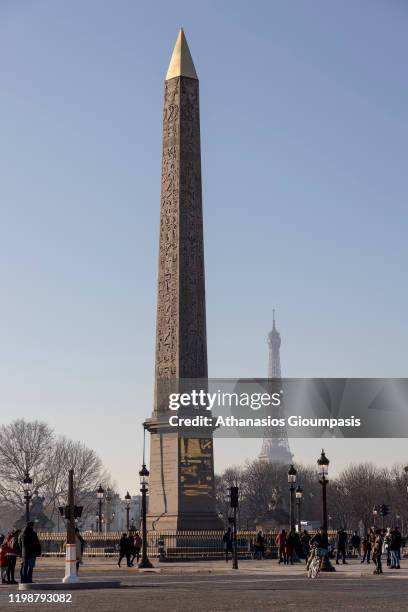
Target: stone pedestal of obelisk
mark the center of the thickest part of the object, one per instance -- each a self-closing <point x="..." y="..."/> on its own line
<point x="181" y="495"/>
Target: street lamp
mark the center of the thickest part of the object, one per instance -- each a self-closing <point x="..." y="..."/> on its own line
<point x="27" y="484"/>
<point x="127" y="502"/>
<point x="144" y="481"/>
<point x="292" y="473"/>
<point x="323" y="471"/>
<point x="99" y="495"/>
<point x="108" y="498"/>
<point x="299" y="497"/>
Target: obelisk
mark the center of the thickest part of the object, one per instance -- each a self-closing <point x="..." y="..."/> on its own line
<point x="181" y="486"/>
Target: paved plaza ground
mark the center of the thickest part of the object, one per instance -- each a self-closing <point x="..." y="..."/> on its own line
<point x="213" y="586"/>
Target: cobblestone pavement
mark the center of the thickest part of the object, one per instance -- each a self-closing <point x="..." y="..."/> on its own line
<point x="213" y="586"/>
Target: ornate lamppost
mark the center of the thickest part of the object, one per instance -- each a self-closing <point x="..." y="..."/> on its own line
<point x="144" y="476"/>
<point x="299" y="497"/>
<point x="99" y="495"/>
<point x="127" y="503"/>
<point x="292" y="473"/>
<point x="108" y="510"/>
<point x="27" y="486"/>
<point x="323" y="470"/>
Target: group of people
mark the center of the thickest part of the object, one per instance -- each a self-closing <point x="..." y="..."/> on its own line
<point x="288" y="543"/>
<point x="379" y="541"/>
<point x="19" y="544"/>
<point x="129" y="548"/>
<point x="291" y="545"/>
<point x="375" y="543"/>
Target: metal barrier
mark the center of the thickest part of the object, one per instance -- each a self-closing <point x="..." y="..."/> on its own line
<point x="169" y="545"/>
<point x="166" y="545"/>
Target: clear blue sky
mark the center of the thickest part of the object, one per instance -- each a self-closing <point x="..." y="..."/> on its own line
<point x="304" y="114"/>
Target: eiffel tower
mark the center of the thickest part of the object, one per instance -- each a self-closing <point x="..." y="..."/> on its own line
<point x="275" y="450"/>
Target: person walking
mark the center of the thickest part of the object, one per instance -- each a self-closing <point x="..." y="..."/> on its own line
<point x="124" y="549"/>
<point x="132" y="549"/>
<point x="137" y="545"/>
<point x="260" y="545"/>
<point x="305" y="541"/>
<point x="30" y="550"/>
<point x="227" y="540"/>
<point x="356" y="543"/>
<point x="80" y="545"/>
<point x="341" y="545"/>
<point x="366" y="545"/>
<point x="377" y="551"/>
<point x="290" y="546"/>
<point x="280" y="541"/>
<point x="12" y="552"/>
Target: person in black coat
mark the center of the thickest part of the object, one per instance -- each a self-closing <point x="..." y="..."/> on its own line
<point x="227" y="541"/>
<point x="356" y="543"/>
<point x="124" y="549"/>
<point x="341" y="545"/>
<point x="395" y="548"/>
<point x="30" y="550"/>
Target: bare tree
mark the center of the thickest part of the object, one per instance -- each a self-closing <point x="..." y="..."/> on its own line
<point x="32" y="447"/>
<point x="24" y="447"/>
<point x="88" y="474"/>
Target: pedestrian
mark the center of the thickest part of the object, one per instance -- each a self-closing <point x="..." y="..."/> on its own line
<point x="132" y="549"/>
<point x="366" y="548"/>
<point x="3" y="561"/>
<point x="297" y="546"/>
<point x="227" y="540"/>
<point x="280" y="541"/>
<point x="341" y="545"/>
<point x="356" y="543"/>
<point x="387" y="543"/>
<point x="377" y="551"/>
<point x="305" y="541"/>
<point x="395" y="548"/>
<point x="30" y="550"/>
<point x="80" y="545"/>
<point x="331" y="547"/>
<point x="12" y="552"/>
<point x="260" y="545"/>
<point x="137" y="547"/>
<point x="290" y="546"/>
<point x="124" y="550"/>
<point x="372" y="540"/>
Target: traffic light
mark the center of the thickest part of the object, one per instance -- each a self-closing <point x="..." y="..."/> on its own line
<point x="65" y="512"/>
<point x="234" y="497"/>
<point x="384" y="510"/>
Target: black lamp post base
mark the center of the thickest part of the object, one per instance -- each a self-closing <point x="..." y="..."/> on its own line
<point x="145" y="564"/>
<point x="326" y="565"/>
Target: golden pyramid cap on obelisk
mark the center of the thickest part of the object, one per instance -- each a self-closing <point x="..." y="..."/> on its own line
<point x="181" y="63"/>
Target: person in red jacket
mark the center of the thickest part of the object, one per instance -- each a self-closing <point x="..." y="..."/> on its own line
<point x="3" y="561"/>
<point x="13" y="551"/>
<point x="281" y="544"/>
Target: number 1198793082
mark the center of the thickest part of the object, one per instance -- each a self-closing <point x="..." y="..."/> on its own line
<point x="40" y="598"/>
